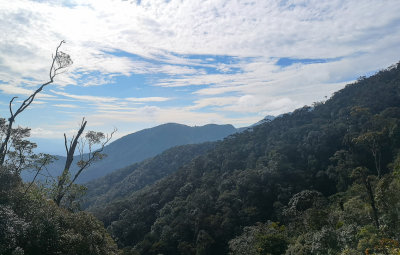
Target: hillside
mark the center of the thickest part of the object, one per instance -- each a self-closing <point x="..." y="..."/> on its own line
<point x="123" y="182"/>
<point x="328" y="173"/>
<point x="144" y="144"/>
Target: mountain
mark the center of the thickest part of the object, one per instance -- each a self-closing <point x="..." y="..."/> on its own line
<point x="148" y="143"/>
<point x="144" y="144"/>
<point x="320" y="180"/>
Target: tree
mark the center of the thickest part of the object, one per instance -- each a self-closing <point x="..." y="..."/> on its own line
<point x="360" y="174"/>
<point x="374" y="141"/>
<point x="91" y="139"/>
<point x="19" y="151"/>
<point x="263" y="238"/>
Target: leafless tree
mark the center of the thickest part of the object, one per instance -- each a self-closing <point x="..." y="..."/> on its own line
<point x="60" y="61"/>
<point x="91" y="138"/>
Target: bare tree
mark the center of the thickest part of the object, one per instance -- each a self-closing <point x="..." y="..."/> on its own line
<point x="91" y="139"/>
<point x="60" y="61"/>
<point x="360" y="174"/>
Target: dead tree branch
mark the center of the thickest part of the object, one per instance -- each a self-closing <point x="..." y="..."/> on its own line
<point x="91" y="138"/>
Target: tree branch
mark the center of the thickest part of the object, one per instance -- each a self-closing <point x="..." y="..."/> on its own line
<point x="92" y="157"/>
<point x="11" y="112"/>
<point x="46" y="161"/>
<point x="70" y="157"/>
<point x="65" y="143"/>
<point x="63" y="185"/>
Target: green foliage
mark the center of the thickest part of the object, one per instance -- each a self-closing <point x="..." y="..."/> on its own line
<point x="272" y="241"/>
<point x="12" y="229"/>
<point x="123" y="182"/>
<point x="32" y="224"/>
<point x="270" y="238"/>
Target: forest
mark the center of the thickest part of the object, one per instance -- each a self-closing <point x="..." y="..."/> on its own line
<point x="323" y="179"/>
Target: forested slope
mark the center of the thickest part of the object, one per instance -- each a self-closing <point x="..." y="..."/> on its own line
<point x="123" y="182"/>
<point x="328" y="173"/>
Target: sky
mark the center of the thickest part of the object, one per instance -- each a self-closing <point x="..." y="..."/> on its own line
<point x="138" y="64"/>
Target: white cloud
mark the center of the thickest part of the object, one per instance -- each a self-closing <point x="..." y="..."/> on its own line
<point x="147" y="99"/>
<point x="213" y="101"/>
<point x="86" y="98"/>
<point x="152" y="29"/>
<point x="362" y="35"/>
<point x="153" y="115"/>
<point x="15" y="90"/>
<point x="65" y="105"/>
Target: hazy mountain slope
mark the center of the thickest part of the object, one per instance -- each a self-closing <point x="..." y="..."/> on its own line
<point x="150" y="142"/>
<point x="251" y="176"/>
<point x="144" y="144"/>
<point x="123" y="182"/>
<point x="267" y="118"/>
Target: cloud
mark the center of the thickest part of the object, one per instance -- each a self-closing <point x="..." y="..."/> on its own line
<point x="153" y="29"/>
<point x="65" y="105"/>
<point x="153" y="115"/>
<point x="216" y="60"/>
<point x="86" y="98"/>
<point x="108" y="102"/>
<point x="147" y="99"/>
<point x="213" y="101"/>
<point x="248" y="104"/>
<point x="15" y="90"/>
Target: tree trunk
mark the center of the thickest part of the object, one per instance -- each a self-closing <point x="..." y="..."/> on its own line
<point x="372" y="201"/>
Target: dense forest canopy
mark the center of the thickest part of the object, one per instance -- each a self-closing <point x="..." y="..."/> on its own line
<point x="123" y="182"/>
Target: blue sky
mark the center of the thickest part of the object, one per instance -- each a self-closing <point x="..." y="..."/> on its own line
<point x="138" y="64"/>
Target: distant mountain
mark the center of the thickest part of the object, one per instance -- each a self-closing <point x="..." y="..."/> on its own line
<point x="145" y="144"/>
<point x="49" y="145"/>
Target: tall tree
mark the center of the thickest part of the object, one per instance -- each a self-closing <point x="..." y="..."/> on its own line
<point x="360" y="174"/>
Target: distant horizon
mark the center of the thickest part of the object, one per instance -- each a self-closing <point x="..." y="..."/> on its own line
<point x="55" y="146"/>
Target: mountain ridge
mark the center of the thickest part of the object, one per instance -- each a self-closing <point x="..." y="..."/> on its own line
<point x="141" y="145"/>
